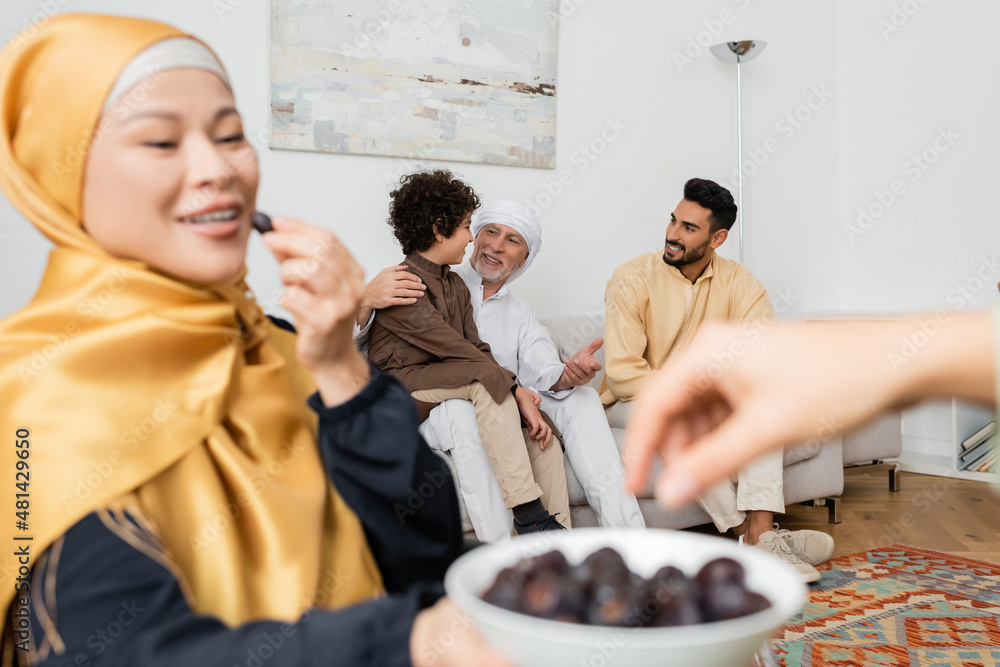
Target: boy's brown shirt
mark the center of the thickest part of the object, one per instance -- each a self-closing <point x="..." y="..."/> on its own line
<point x="434" y="343"/>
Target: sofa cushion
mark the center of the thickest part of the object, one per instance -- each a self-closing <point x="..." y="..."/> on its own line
<point x="571" y="333"/>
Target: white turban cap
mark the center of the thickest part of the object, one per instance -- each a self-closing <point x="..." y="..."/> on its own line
<point x="518" y="218"/>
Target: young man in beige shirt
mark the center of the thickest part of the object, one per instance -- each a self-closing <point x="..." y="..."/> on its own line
<point x="654" y="304"/>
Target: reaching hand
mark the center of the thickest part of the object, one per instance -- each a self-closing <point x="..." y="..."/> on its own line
<point x="733" y="394"/>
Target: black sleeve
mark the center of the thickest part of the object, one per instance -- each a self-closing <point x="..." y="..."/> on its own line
<point x="401" y="491"/>
<point x="99" y="602"/>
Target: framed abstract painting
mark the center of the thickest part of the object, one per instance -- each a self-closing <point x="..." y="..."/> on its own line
<point x="419" y="79"/>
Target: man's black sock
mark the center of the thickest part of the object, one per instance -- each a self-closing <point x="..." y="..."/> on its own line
<point x="530" y="512"/>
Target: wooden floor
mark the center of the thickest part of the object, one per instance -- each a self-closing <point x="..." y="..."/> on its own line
<point x="955" y="516"/>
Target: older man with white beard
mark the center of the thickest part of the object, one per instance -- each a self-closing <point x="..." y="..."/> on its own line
<point x="507" y="240"/>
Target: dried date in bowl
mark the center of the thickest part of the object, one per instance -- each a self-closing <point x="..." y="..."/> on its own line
<point x="601" y="590"/>
<point x="672" y="640"/>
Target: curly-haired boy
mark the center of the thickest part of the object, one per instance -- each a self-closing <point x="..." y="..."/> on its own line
<point x="434" y="348"/>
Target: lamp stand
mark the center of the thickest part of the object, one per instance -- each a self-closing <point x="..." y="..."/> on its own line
<point x="739" y="52"/>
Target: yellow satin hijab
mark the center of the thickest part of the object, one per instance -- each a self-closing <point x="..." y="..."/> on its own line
<point x="127" y="390"/>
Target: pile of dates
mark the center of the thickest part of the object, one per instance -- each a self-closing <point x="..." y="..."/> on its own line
<point x="603" y="591"/>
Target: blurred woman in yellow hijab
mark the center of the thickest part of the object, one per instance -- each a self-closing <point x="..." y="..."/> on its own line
<point x="178" y="500"/>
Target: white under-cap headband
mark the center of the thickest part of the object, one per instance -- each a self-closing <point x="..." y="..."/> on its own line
<point x="175" y="53"/>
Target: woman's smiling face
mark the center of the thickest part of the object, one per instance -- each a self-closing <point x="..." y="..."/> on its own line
<point x="173" y="182"/>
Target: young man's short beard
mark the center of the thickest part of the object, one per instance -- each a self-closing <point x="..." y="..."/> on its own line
<point x="687" y="257"/>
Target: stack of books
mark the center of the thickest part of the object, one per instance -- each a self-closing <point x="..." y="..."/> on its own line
<point x="979" y="451"/>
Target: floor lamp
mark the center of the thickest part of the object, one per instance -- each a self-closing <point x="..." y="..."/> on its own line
<point x="738" y="53"/>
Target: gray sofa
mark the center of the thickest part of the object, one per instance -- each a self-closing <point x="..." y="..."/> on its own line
<point x="814" y="472"/>
<point x="875" y="442"/>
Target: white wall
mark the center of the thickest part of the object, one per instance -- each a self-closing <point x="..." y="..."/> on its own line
<point x="911" y="74"/>
<point x="616" y="65"/>
<point x="834" y="109"/>
<point x="907" y="78"/>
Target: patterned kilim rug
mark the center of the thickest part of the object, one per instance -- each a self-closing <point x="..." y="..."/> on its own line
<point x="897" y="606"/>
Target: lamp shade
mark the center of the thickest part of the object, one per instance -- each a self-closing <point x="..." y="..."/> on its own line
<point x="745" y="50"/>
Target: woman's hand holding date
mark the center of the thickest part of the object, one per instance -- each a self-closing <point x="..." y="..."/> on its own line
<point x="325" y="285"/>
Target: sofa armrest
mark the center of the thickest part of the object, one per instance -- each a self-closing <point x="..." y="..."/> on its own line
<point x="571" y="333"/>
<point x="796" y="453"/>
<point x="879" y="439"/>
<point x="822" y="476"/>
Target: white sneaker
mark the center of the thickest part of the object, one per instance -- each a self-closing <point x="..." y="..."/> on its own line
<point x="771" y="543"/>
<point x="811" y="546"/>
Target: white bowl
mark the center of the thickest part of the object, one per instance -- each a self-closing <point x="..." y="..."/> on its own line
<point x="534" y="642"/>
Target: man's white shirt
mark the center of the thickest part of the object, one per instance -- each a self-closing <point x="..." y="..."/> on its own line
<point x="517" y="339"/>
